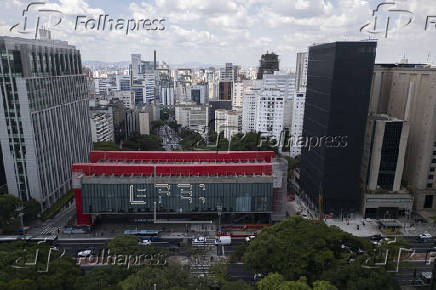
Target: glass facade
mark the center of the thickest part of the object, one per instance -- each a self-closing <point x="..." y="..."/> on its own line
<point x="177" y="198"/>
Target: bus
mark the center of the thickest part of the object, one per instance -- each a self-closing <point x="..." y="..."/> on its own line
<point x="151" y="235"/>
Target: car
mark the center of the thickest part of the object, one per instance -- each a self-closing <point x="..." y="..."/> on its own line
<point x="376" y="243"/>
<point x="145" y="243"/>
<point x="85" y="253"/>
<point x="247" y="239"/>
<point x="257" y="276"/>
<point x="425" y="236"/>
<point x="200" y="240"/>
<point x="376" y="238"/>
<point x="305" y="216"/>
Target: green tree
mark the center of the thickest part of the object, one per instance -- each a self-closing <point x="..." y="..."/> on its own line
<point x="21" y="284"/>
<point x="296" y="247"/>
<point x="270" y="282"/>
<point x="165" y="277"/>
<point x="232" y="285"/>
<point x="31" y="210"/>
<point x="106" y="146"/>
<point x="143" y="143"/>
<point x="106" y="277"/>
<point x="9" y="221"/>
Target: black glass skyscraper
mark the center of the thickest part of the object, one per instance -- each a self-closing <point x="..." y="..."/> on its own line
<point x="336" y="109"/>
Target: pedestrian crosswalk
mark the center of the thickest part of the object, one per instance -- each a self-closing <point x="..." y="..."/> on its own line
<point x="49" y="230"/>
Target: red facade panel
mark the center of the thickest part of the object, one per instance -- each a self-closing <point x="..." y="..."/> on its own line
<point x="182" y="156"/>
<point x="82" y="219"/>
<point x="222" y="169"/>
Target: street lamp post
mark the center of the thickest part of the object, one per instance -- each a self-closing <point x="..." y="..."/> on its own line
<point x="219" y="209"/>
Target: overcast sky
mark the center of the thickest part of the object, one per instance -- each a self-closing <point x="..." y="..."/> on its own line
<point x="238" y="31"/>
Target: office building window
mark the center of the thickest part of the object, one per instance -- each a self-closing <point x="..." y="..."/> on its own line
<point x="428" y="203"/>
<point x="431" y="169"/>
<point x="430" y="176"/>
<point x="429" y="185"/>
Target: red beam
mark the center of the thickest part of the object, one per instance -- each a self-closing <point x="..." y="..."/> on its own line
<point x="182" y="156"/>
<point x="81" y="218"/>
<point x="222" y="169"/>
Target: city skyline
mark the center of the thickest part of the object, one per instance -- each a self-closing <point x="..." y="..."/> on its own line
<point x="238" y="31"/>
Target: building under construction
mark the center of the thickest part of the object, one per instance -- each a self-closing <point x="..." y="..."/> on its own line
<point x="269" y="63"/>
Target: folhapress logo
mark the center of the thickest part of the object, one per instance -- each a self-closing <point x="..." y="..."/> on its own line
<point x="36" y="16"/>
<point x="382" y="24"/>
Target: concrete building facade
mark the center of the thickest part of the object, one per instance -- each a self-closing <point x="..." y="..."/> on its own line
<point x="44" y="116"/>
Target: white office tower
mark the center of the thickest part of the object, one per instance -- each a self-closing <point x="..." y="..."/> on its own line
<point x="136" y="62"/>
<point x="192" y="116"/>
<point x="301" y="71"/>
<point x="122" y="82"/>
<point x="167" y="96"/>
<point x="102" y="127"/>
<point x="229" y="122"/>
<point x="150" y="85"/>
<point x="44" y="117"/>
<point x="127" y="97"/>
<point x="229" y="73"/>
<point x="101" y="86"/>
<point x="143" y="79"/>
<point x="297" y="122"/>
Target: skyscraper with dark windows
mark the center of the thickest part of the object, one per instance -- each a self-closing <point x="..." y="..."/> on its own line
<point x="269" y="63"/>
<point x="336" y="110"/>
<point x="44" y="118"/>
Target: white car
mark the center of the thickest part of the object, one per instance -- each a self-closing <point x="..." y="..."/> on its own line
<point x="200" y="240"/>
<point x="84" y="253"/>
<point x="305" y="216"/>
<point x="247" y="239"/>
<point x="145" y="243"/>
<point x="425" y="236"/>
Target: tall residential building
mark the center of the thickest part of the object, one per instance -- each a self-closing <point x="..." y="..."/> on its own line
<point x="301" y="71"/>
<point x="336" y="109"/>
<point x="297" y="123"/>
<point x="268" y="64"/>
<point x="269" y="116"/>
<point x="262" y="111"/>
<point x="284" y="82"/>
<point x="408" y="92"/>
<point x="44" y="117"/>
<point x="228" y="76"/>
<point x="249" y="110"/>
<point x="102" y="127"/>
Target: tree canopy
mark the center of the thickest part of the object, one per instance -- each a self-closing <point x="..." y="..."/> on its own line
<point x="296" y="247"/>
<point x="143" y="143"/>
